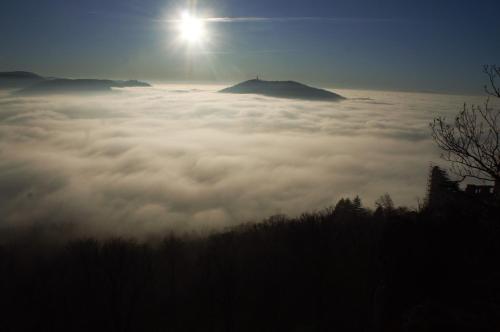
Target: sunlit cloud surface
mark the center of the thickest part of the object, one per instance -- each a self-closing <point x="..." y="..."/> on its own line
<point x="142" y="161"/>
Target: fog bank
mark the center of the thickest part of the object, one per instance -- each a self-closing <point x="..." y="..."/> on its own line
<point x="146" y="160"/>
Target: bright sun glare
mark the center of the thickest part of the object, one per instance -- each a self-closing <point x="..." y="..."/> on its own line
<point x="192" y="28"/>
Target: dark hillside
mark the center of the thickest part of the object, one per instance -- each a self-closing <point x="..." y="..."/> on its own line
<point x="342" y="269"/>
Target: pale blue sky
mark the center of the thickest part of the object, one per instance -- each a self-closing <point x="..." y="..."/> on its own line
<point x="412" y="45"/>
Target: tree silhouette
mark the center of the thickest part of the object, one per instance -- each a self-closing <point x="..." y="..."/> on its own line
<point x="472" y="142"/>
<point x="385" y="203"/>
<point x="493" y="73"/>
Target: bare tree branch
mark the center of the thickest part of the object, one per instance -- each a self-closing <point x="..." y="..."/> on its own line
<point x="493" y="73"/>
<point x="471" y="143"/>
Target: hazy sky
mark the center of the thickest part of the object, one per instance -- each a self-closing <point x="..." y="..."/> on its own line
<point x="418" y="45"/>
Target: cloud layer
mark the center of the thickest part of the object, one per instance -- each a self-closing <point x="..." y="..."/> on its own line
<point x="143" y="161"/>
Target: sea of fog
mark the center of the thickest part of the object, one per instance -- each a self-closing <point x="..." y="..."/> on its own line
<point x="145" y="160"/>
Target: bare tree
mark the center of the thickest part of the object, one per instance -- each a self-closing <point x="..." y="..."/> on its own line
<point x="493" y="73"/>
<point x="472" y="142"/>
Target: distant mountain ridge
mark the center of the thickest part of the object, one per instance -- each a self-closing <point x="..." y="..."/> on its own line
<point x="27" y="83"/>
<point x="283" y="89"/>
<point x="18" y="79"/>
<point x="79" y="85"/>
<point x="20" y="75"/>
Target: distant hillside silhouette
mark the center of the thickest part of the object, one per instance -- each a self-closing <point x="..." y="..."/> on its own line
<point x="79" y="85"/>
<point x="18" y="79"/>
<point x="283" y="89"/>
<point x="20" y="75"/>
<point x="30" y="83"/>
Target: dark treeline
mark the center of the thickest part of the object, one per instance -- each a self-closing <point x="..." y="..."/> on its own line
<point x="342" y="269"/>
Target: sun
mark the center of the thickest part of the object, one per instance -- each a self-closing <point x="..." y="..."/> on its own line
<point x="192" y="29"/>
